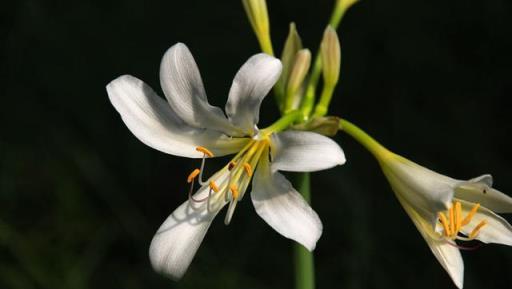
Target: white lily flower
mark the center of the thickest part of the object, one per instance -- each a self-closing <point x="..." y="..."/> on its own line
<point x="187" y="125"/>
<point x="443" y="209"/>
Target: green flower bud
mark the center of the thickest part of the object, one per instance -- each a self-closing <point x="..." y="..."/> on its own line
<point x="331" y="57"/>
<point x="258" y="17"/>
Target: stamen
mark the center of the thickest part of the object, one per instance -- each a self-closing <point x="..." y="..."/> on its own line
<point x="214" y="186"/>
<point x="234" y="191"/>
<point x="248" y="169"/>
<point x="470" y="215"/>
<point x="193" y="175"/>
<point x="452" y="222"/>
<point x="477" y="229"/>
<point x="444" y="222"/>
<point x="231" y="165"/>
<point x="204" y="151"/>
<point x="457" y="217"/>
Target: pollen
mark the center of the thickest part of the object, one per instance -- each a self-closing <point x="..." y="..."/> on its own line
<point x="445" y="224"/>
<point x="470" y="215"/>
<point x="193" y="175"/>
<point x="477" y="229"/>
<point x="214" y="187"/>
<point x="205" y="151"/>
<point x="248" y="169"/>
<point x="454" y="222"/>
<point x="234" y="191"/>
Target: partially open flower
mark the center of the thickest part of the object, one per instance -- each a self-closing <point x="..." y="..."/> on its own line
<point x="447" y="212"/>
<point x="187" y="125"/>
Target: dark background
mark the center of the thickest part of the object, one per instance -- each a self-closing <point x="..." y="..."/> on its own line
<point x="80" y="196"/>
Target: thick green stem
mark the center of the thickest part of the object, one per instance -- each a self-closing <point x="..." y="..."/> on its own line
<point x="364" y="139"/>
<point x="304" y="263"/>
<point x="283" y="123"/>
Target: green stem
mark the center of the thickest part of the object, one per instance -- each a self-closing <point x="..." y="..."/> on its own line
<point x="304" y="263"/>
<point x="283" y="123"/>
<point x="323" y="104"/>
<point x="364" y="139"/>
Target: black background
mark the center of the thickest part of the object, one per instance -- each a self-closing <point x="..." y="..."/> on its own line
<point x="80" y="196"/>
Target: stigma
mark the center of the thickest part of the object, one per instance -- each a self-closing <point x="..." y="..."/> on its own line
<point x="237" y="174"/>
<point x="452" y="223"/>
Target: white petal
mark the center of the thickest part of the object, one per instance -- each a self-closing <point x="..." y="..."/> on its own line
<point x="427" y="191"/>
<point x="184" y="89"/>
<point x="154" y="123"/>
<point x="479" y="190"/>
<point x="301" y="151"/>
<point x="283" y="208"/>
<point x="176" y="242"/>
<point x="497" y="230"/>
<point x="448" y="256"/>
<point x="250" y="85"/>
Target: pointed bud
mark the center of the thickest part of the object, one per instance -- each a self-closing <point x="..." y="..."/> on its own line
<point x="331" y="57"/>
<point x="292" y="45"/>
<point x="258" y="17"/>
<point x="297" y="75"/>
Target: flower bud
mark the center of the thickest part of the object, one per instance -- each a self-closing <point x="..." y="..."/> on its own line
<point x="331" y="57"/>
<point x="292" y="45"/>
<point x="258" y="17"/>
<point x="297" y="74"/>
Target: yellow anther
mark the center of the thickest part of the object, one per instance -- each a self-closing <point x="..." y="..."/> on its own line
<point x="477" y="229"/>
<point x="458" y="217"/>
<point x="214" y="187"/>
<point x="204" y="151"/>
<point x="248" y="169"/>
<point x="234" y="191"/>
<point x="193" y="175"/>
<point x="444" y="222"/>
<point x="470" y="215"/>
<point x="231" y="165"/>
<point x="452" y="222"/>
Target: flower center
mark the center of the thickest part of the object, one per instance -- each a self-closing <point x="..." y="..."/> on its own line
<point x="453" y="223"/>
<point x="239" y="173"/>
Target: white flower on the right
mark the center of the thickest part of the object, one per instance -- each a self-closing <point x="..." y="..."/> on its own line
<point x="446" y="210"/>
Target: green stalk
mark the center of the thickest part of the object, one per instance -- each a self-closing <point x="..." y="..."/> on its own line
<point x="304" y="263"/>
<point x="375" y="148"/>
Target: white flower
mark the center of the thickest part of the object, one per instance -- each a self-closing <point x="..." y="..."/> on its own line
<point x="445" y="210"/>
<point x="187" y="125"/>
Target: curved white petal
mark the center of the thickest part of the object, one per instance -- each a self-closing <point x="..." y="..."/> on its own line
<point x="176" y="242"/>
<point x="301" y="151"/>
<point x="479" y="190"/>
<point x="448" y="255"/>
<point x="154" y="123"/>
<point x="283" y="208"/>
<point x="427" y="191"/>
<point x="184" y="89"/>
<point x="250" y="85"/>
<point x="497" y="230"/>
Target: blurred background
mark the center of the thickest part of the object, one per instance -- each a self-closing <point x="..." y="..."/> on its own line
<point x="81" y="197"/>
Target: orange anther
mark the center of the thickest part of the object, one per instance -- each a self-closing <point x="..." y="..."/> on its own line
<point x="204" y="151"/>
<point x="234" y="191"/>
<point x="444" y="222"/>
<point x="248" y="169"/>
<point x="214" y="187"/>
<point x="477" y="229"/>
<point x="193" y="175"/>
<point x="470" y="215"/>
